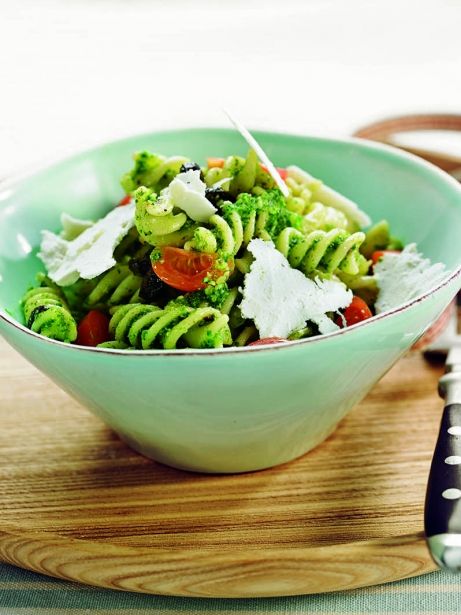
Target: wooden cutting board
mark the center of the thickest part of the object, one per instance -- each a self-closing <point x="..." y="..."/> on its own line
<point x="77" y="503"/>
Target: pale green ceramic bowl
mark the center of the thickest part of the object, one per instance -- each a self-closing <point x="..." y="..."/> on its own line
<point x="236" y="409"/>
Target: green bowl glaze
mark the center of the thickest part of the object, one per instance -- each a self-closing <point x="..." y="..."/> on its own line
<point x="231" y="410"/>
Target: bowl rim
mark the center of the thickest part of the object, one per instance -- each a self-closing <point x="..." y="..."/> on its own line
<point x="16" y="179"/>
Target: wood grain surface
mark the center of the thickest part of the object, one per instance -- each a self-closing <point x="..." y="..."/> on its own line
<point x="76" y="503"/>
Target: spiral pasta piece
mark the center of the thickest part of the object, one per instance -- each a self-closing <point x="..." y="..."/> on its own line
<point x="243" y="330"/>
<point x="129" y="247"/>
<point x="320" y="250"/>
<point x="247" y="334"/>
<point x="231" y="309"/>
<point x="229" y="234"/>
<point x="300" y="197"/>
<point x="317" y="216"/>
<point x="46" y="312"/>
<point x="156" y="221"/>
<point x="324" y="218"/>
<point x="114" y="345"/>
<point x="244" y="174"/>
<point x="147" y="326"/>
<point x="152" y="170"/>
<point x="306" y="191"/>
<point x="364" y="286"/>
<point x="116" y="286"/>
<point x="263" y="215"/>
<point x="230" y="301"/>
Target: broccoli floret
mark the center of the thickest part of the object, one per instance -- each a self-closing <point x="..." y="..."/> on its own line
<point x="272" y="204"/>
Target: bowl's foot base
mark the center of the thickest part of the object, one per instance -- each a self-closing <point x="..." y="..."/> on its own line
<point x="217" y="463"/>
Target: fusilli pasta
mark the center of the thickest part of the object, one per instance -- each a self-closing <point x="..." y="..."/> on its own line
<point x="147" y="326"/>
<point x="326" y="251"/>
<point x="46" y="312"/>
<point x="210" y="256"/>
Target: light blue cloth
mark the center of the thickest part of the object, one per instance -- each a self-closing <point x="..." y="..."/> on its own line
<point x="26" y="593"/>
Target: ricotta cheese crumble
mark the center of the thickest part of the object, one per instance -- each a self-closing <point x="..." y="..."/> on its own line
<point x="187" y="192"/>
<point x="280" y="299"/>
<point x="90" y="253"/>
<point x="402" y="276"/>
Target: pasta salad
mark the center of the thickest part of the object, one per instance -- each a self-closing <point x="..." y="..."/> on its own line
<point x="218" y="255"/>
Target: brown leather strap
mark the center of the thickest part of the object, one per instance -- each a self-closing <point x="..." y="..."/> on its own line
<point x="385" y="130"/>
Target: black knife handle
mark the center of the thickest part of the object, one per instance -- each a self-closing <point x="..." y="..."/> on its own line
<point x="443" y="497"/>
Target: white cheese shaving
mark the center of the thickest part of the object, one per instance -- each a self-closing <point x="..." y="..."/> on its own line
<point x="73" y="227"/>
<point x="330" y="197"/>
<point x="187" y="192"/>
<point x="263" y="157"/>
<point x="280" y="299"/>
<point x="89" y="254"/>
<point x="402" y="276"/>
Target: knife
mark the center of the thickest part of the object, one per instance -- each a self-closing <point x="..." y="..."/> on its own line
<point x="442" y="514"/>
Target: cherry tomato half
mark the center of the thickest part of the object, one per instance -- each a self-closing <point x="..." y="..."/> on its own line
<point x="93" y="329"/>
<point x="125" y="201"/>
<point x="267" y="340"/>
<point x="357" y="311"/>
<point x="378" y="254"/>
<point x="182" y="269"/>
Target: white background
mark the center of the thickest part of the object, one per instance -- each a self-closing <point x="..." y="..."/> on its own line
<point x="76" y="72"/>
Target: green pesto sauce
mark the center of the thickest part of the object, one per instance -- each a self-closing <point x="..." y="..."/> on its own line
<point x="334" y="244"/>
<point x="216" y="294"/>
<point x="141" y="162"/>
<point x="296" y="240"/>
<point x="234" y="165"/>
<point x="188" y="224"/>
<point x="55" y="323"/>
<point x="213" y="295"/>
<point x="200" y="240"/>
<point x="144" y="163"/>
<point x="211" y="340"/>
<point x="183" y="312"/>
<point x="193" y="300"/>
<point x="270" y="202"/>
<point x="155" y="255"/>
